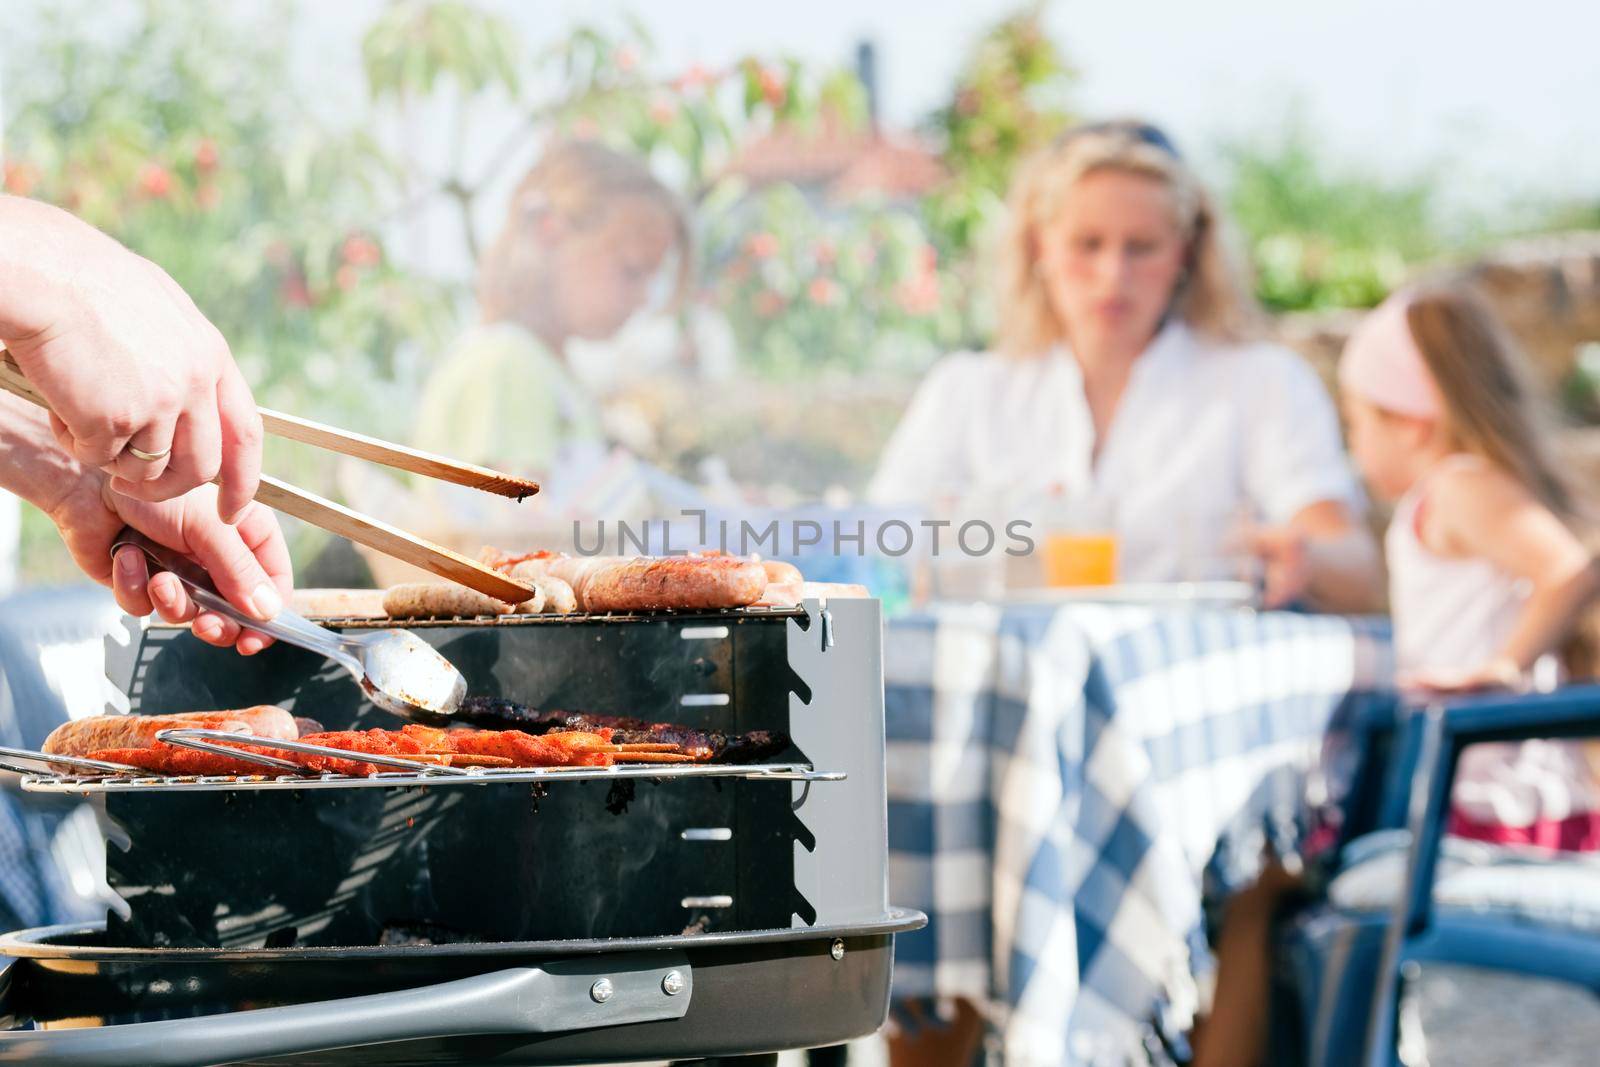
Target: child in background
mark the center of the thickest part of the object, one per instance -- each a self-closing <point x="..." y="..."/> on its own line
<point x="1486" y="576"/>
<point x="1486" y="579"/>
<point x="588" y="233"/>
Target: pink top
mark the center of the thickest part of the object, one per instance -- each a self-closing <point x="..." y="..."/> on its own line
<point x="1451" y="613"/>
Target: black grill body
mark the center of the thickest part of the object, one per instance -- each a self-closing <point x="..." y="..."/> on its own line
<point x="770" y="893"/>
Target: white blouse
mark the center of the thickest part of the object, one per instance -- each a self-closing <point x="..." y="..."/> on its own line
<point x="1207" y="436"/>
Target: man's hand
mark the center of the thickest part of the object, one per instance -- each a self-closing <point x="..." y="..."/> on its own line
<point x="126" y="361"/>
<point x="248" y="560"/>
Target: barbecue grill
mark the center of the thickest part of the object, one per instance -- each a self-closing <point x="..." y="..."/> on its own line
<point x="487" y="915"/>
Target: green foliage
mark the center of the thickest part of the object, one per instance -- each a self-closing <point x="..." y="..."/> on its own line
<point x="415" y="43"/>
<point x="1321" y="238"/>
<point x="857" y="289"/>
<point x="806" y="284"/>
<point x="178" y="138"/>
<point x="1009" y="99"/>
<point x="175" y="134"/>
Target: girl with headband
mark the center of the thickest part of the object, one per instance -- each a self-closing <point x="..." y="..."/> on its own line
<point x="1486" y="579"/>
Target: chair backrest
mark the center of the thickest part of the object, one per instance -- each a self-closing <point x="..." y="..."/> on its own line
<point x="1437" y="736"/>
<point x="52" y="668"/>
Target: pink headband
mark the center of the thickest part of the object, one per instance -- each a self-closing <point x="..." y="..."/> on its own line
<point x="1382" y="364"/>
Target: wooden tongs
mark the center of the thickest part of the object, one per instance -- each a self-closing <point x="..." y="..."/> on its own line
<point x="360" y="528"/>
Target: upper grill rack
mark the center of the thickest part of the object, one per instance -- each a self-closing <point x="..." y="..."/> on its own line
<point x="375" y="622"/>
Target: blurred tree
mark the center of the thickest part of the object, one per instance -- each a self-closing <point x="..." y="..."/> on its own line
<point x="807" y="283"/>
<point x="1010" y="98"/>
<point x="1320" y="238"/>
<point x="176" y="129"/>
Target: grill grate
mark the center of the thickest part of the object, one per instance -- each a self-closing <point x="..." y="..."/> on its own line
<point x="787" y="772"/>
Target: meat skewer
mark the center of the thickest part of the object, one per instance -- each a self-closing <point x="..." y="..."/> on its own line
<point x="708" y="745"/>
<point x="419" y="744"/>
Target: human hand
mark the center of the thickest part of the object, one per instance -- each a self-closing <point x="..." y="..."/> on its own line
<point x="1499" y="673"/>
<point x="126" y="361"/>
<point x="1285" y="558"/>
<point x="248" y="560"/>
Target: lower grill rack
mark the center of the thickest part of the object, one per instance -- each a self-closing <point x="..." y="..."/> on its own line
<point x="84" y="784"/>
<point x="112" y="777"/>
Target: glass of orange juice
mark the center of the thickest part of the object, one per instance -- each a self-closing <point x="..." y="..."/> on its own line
<point x="1077" y="557"/>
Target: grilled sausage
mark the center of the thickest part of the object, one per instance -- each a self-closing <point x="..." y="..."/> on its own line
<point x="780" y="572"/>
<point x="427" y="600"/>
<point x="618" y="583"/>
<point x="578" y="572"/>
<point x="559" y="599"/>
<point x="534" y="604"/>
<point x="83" y="736"/>
<point x="646" y="584"/>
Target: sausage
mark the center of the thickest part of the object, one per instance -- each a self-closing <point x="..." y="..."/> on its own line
<point x="780" y="572"/>
<point x="578" y="572"/>
<point x="558" y="597"/>
<point x="534" y="604"/>
<point x="500" y="560"/>
<point x="426" y="600"/>
<point x="83" y="736"/>
<point x="646" y="584"/>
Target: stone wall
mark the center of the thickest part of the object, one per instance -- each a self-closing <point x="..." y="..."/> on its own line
<point x="1545" y="289"/>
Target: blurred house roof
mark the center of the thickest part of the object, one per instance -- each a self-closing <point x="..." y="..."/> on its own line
<point x="841" y="164"/>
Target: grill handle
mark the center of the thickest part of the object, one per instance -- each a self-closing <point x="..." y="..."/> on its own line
<point x="556" y="996"/>
<point x="286" y="625"/>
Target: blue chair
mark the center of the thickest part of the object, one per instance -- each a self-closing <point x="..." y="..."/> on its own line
<point x="1342" y="966"/>
<point x="51" y="648"/>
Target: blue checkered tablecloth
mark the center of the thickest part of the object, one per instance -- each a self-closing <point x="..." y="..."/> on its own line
<point x="1060" y="779"/>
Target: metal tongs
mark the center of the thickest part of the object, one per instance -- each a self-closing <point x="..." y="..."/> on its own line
<point x="399" y="672"/>
<point x="335" y="518"/>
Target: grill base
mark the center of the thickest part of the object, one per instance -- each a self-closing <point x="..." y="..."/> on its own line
<point x="753" y="992"/>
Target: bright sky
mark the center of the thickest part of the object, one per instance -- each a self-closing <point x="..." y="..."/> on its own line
<point x="1506" y="88"/>
<point x="1499" y="96"/>
<point x="1502" y="95"/>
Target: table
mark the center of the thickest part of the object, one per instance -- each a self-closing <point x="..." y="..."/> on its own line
<point x="1062" y="779"/>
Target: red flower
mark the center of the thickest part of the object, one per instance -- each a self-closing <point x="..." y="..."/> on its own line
<point x="825" y="252"/>
<point x="930" y="259"/>
<point x="359" y="250"/>
<point x="205" y="155"/>
<point x="663" y="109"/>
<point x="293" y="291"/>
<point x="769" y="302"/>
<point x="626" y="58"/>
<point x="918" y="296"/>
<point x="208" y="196"/>
<point x="346" y="277"/>
<point x="21" y="178"/>
<point x="773" y="89"/>
<point x="762" y="245"/>
<point x="695" y="78"/>
<point x="155" y="181"/>
<point x="823" y="291"/>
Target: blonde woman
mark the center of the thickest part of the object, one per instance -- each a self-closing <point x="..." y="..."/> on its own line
<point x="1126" y="381"/>
<point x="589" y="231"/>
